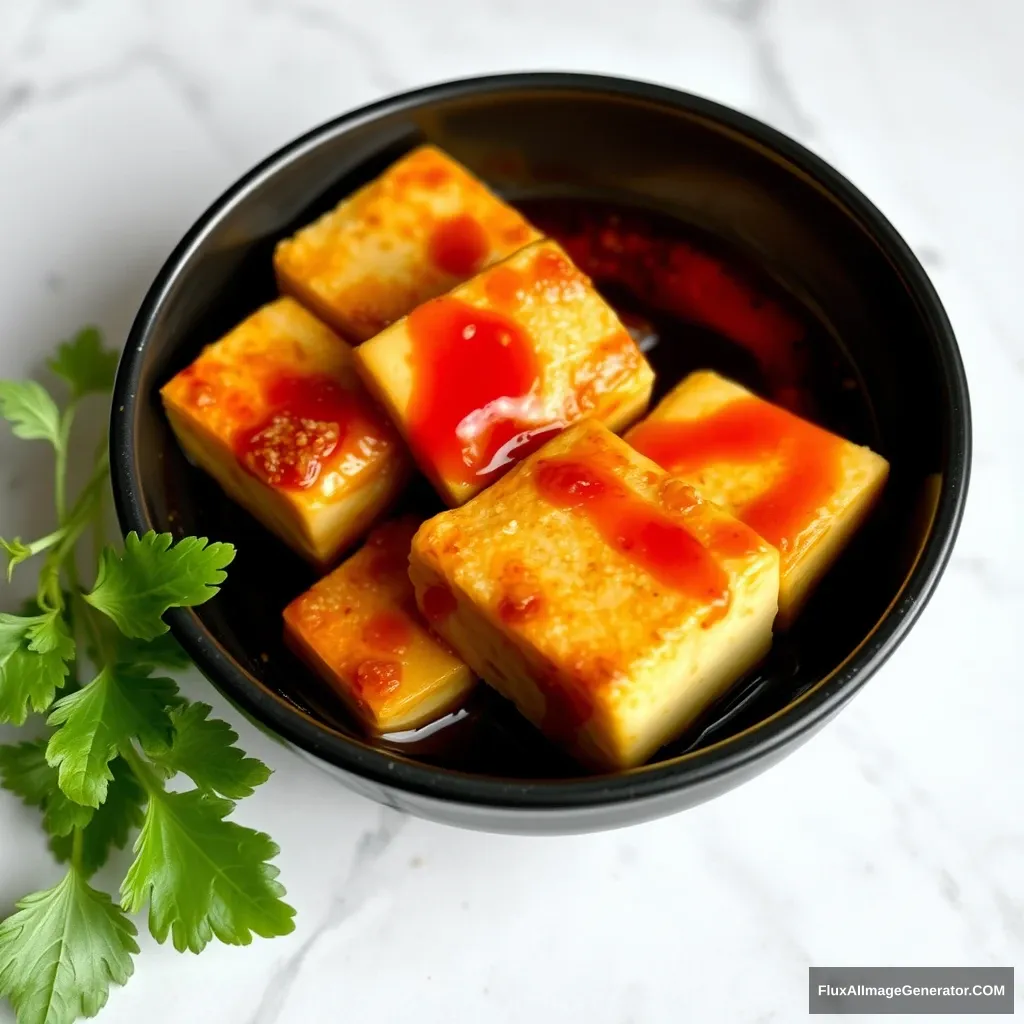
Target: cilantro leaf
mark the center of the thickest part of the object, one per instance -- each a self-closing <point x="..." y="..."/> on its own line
<point x="257" y="724"/>
<point x="85" y="364"/>
<point x="28" y="682"/>
<point x="32" y="413"/>
<point x="204" y="876"/>
<point x="119" y="705"/>
<point x="112" y="823"/>
<point x="34" y="651"/>
<point x="161" y="652"/>
<point x="204" y="749"/>
<point x="62" y="950"/>
<point x="62" y="816"/>
<point x="25" y="771"/>
<point x="49" y="634"/>
<point x="151" y="575"/>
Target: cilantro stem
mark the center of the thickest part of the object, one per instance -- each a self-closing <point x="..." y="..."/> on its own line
<point x="61" y="464"/>
<point x="67" y="534"/>
<point x="42" y="543"/>
<point x="98" y="526"/>
<point x="103" y="654"/>
<point x="48" y="593"/>
<point x="85" y="506"/>
<point x="151" y="782"/>
<point x="76" y="848"/>
<point x="98" y="538"/>
<point x="83" y="614"/>
<point x="62" y="555"/>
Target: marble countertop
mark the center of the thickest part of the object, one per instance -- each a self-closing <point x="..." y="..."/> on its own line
<point x="895" y="836"/>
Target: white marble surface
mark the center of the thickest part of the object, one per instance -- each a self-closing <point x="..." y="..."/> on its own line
<point x="896" y="836"/>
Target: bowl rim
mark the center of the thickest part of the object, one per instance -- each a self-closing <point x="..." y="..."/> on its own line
<point x="811" y="709"/>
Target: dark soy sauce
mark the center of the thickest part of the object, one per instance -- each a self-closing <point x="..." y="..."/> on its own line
<point x="691" y="303"/>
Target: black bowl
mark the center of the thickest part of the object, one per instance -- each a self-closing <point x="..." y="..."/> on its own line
<point x="767" y="200"/>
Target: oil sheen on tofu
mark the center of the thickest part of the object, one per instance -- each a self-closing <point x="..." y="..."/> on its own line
<point x="478" y="378"/>
<point x="599" y="594"/>
<point x="803" y="489"/>
<point x="359" y="629"/>
<point x="415" y="232"/>
<point x="275" y="412"/>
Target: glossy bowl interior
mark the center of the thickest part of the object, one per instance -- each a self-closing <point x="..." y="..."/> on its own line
<point x="808" y="232"/>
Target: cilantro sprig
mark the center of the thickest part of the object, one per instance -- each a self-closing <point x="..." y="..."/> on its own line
<point x="113" y="736"/>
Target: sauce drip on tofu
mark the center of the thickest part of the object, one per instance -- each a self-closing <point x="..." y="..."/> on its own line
<point x="474" y="410"/>
<point x="656" y="543"/>
<point x="521" y="598"/>
<point x="313" y="423"/>
<point x="517" y="608"/>
<point x="376" y="678"/>
<point x="749" y="431"/>
<point x="458" y="246"/>
<point x="389" y="632"/>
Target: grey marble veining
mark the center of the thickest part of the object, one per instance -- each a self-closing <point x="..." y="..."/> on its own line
<point x="346" y="898"/>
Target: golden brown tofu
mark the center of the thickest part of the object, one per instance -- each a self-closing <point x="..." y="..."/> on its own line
<point x="478" y="378"/>
<point x="600" y="594"/>
<point x="275" y="412"/>
<point x="803" y="489"/>
<point x="360" y="630"/>
<point x="415" y="232"/>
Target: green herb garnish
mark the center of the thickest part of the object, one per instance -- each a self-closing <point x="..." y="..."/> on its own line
<point x="97" y="774"/>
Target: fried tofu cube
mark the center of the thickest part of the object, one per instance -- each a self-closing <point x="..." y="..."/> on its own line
<point x="415" y="232"/>
<point x="478" y="378"/>
<point x="802" y="488"/>
<point x="360" y="630"/>
<point x="275" y="412"/>
<point x="600" y="594"/>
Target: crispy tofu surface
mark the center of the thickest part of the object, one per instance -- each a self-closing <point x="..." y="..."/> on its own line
<point x="413" y="233"/>
<point x="359" y="629"/>
<point x="480" y="377"/>
<point x="600" y="594"/>
<point x="275" y="412"/>
<point x="805" y="490"/>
